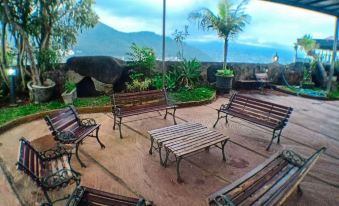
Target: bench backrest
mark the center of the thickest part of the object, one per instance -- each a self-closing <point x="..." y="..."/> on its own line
<point x="139" y="99"/>
<point x="260" y="109"/>
<point x="64" y="120"/>
<point x="269" y="183"/>
<point x="30" y="161"/>
<point x="84" y="196"/>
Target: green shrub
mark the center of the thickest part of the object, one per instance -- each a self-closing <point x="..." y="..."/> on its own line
<point x="142" y="59"/>
<point x="138" y="85"/>
<point x="157" y="81"/>
<point x="69" y="86"/>
<point x="185" y="74"/>
<point x="197" y="94"/>
<point x="225" y="72"/>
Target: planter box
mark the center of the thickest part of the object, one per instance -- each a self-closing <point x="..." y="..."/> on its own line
<point x="224" y="84"/>
<point x="69" y="97"/>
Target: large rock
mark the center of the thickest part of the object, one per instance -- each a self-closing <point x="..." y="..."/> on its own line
<point x="104" y="69"/>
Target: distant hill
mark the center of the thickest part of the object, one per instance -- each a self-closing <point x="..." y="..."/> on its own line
<point x="104" y="40"/>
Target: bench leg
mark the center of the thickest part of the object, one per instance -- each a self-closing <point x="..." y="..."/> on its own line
<point x="179" y="180"/>
<point x="151" y="149"/>
<point x="217" y="119"/>
<point x="77" y="155"/>
<point x="269" y="145"/>
<point x="114" y="121"/>
<point x="48" y="198"/>
<point x="207" y="149"/>
<point x="97" y="136"/>
<point x="223" y="143"/>
<point x="226" y="120"/>
<point x="159" y="113"/>
<point x="175" y="122"/>
<point x="119" y="124"/>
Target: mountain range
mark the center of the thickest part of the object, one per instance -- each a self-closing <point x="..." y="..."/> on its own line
<point x="104" y="40"/>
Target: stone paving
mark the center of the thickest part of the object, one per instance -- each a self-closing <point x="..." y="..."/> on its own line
<point x="125" y="167"/>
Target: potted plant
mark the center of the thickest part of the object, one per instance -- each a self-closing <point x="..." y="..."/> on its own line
<point x="70" y="92"/>
<point x="224" y="79"/>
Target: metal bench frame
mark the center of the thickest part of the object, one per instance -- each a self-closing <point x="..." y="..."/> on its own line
<point x="52" y="181"/>
<point x="278" y="127"/>
<point x="272" y="190"/>
<point x="82" y="196"/>
<point x="120" y="109"/>
<point x="65" y="123"/>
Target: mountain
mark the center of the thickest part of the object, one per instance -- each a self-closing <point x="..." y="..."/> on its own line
<point x="104" y="40"/>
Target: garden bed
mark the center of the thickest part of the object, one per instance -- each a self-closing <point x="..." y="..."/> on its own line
<point x="315" y="93"/>
<point x="194" y="97"/>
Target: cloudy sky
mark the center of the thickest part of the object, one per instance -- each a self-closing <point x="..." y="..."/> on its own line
<point x="271" y="24"/>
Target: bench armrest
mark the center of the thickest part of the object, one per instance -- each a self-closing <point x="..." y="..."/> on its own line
<point x="87" y="122"/>
<point x="55" y="152"/>
<point x="223" y="106"/>
<point x="116" y="110"/>
<point x="66" y="137"/>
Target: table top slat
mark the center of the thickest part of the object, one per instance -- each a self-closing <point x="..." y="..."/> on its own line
<point x="185" y="140"/>
<point x="186" y="131"/>
<point x="173" y="128"/>
<point x="177" y="137"/>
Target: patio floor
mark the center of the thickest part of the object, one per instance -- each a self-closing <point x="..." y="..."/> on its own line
<point x="125" y="167"/>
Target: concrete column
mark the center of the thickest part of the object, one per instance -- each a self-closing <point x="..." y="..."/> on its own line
<point x="334" y="54"/>
<point x="163" y="43"/>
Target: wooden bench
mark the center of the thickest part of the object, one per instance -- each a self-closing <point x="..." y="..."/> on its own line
<point x="184" y="140"/>
<point x="129" y="104"/>
<point x="50" y="169"/>
<point x="257" y="111"/>
<point x="84" y="196"/>
<point x="259" y="81"/>
<point x="271" y="183"/>
<point x="68" y="128"/>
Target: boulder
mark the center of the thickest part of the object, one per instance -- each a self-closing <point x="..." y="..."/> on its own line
<point x="104" y="69"/>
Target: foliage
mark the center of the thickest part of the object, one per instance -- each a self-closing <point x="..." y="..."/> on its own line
<point x="10" y="113"/>
<point x="308" y="45"/>
<point x="69" y="86"/>
<point x="41" y="26"/>
<point x="170" y="81"/>
<point x="138" y="85"/>
<point x="225" y="72"/>
<point x="179" y="37"/>
<point x="47" y="58"/>
<point x="157" y="81"/>
<point x="200" y="93"/>
<point x="230" y="20"/>
<point x="142" y="59"/>
<point x="186" y="73"/>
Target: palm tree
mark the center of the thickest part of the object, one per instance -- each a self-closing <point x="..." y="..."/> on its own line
<point x="229" y="21"/>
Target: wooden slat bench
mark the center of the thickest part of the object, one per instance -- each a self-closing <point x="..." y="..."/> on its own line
<point x="84" y="196"/>
<point x="271" y="183"/>
<point x="185" y="139"/>
<point x="50" y="169"/>
<point x="130" y="104"/>
<point x="68" y="128"/>
<point x="257" y="111"/>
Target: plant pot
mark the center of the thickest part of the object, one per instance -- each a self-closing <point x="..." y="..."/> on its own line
<point x="69" y="97"/>
<point x="224" y="83"/>
<point x="43" y="93"/>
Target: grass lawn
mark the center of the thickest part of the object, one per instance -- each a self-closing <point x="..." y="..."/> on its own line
<point x="197" y="94"/>
<point x="10" y="113"/>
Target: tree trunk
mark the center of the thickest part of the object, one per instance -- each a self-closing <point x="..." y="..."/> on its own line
<point x="225" y="52"/>
<point x="15" y="27"/>
<point x="3" y="61"/>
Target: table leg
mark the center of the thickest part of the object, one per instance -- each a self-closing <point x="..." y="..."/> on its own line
<point x="179" y="180"/>
<point x="166" y="158"/>
<point x="223" y="143"/>
<point x="160" y="156"/>
<point x="151" y="149"/>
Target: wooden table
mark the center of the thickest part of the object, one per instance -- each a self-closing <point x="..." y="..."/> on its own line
<point x="185" y="139"/>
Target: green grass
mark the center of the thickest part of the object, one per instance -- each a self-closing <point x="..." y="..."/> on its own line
<point x="10" y="113"/>
<point x="197" y="94"/>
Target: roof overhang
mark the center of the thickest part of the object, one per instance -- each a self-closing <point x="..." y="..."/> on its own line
<point x="330" y="7"/>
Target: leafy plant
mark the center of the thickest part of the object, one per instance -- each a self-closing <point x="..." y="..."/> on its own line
<point x="186" y="73"/>
<point x="225" y="72"/>
<point x="179" y="37"/>
<point x="229" y="21"/>
<point x="157" y="81"/>
<point x="197" y="94"/>
<point x="142" y="59"/>
<point x="47" y="59"/>
<point x="138" y="85"/>
<point x="69" y="86"/>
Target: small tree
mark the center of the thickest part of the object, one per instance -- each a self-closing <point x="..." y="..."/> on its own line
<point x="142" y="59"/>
<point x="179" y="37"/>
<point x="41" y="28"/>
<point x="229" y="21"/>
